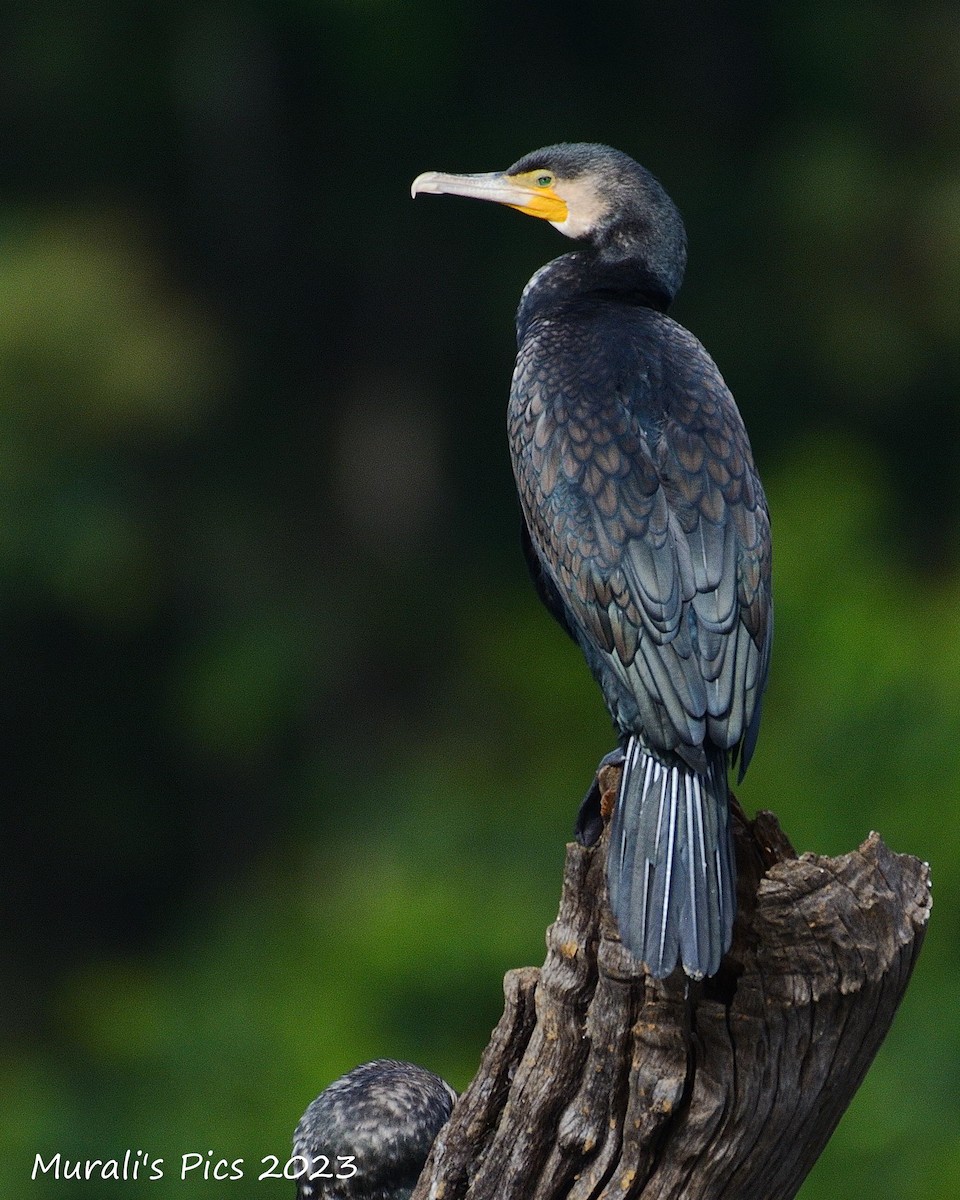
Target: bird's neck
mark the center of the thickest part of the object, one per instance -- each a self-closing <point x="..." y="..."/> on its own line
<point x="588" y="276"/>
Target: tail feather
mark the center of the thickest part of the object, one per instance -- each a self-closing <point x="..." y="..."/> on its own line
<point x="670" y="868"/>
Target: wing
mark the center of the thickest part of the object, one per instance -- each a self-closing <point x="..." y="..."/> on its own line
<point x="644" y="508"/>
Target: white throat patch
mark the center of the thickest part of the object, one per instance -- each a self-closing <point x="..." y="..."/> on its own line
<point x="585" y="207"/>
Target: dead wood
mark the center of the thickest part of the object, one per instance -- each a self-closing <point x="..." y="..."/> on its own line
<point x="600" y="1082"/>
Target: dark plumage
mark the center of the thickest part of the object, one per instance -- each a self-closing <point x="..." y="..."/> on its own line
<point x="374" y="1126"/>
<point x="646" y="529"/>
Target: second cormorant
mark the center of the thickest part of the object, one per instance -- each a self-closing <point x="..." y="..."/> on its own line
<point x="646" y="530"/>
<point x="367" y="1136"/>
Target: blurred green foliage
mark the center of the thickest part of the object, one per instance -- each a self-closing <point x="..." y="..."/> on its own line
<point x="290" y="750"/>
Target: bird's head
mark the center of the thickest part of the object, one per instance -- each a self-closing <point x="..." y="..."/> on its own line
<point x="592" y="193"/>
<point x="378" y="1123"/>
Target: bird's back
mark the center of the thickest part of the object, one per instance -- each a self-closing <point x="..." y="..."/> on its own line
<point x="644" y="508"/>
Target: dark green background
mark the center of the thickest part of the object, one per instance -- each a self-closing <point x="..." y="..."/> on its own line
<point x="290" y="751"/>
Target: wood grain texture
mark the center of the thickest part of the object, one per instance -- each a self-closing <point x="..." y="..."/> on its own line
<point x="600" y="1082"/>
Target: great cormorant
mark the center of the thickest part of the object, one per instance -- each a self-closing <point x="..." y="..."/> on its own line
<point x="367" y="1135"/>
<point x="646" y="530"/>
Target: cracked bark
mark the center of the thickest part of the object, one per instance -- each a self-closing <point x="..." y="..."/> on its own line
<point x="599" y="1082"/>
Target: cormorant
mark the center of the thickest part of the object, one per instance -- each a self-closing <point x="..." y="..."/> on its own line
<point x="368" y="1134"/>
<point x="646" y="530"/>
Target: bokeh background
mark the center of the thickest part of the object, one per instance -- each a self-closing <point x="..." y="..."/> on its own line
<point x="289" y="750"/>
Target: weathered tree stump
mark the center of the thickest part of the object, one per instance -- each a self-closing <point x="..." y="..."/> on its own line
<point x="601" y="1082"/>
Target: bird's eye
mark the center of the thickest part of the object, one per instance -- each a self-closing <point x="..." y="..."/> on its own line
<point x="544" y="180"/>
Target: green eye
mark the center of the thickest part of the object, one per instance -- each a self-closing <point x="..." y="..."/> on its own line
<point x="544" y="180"/>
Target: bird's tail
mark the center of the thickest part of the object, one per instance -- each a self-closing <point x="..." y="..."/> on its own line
<point x="670" y="868"/>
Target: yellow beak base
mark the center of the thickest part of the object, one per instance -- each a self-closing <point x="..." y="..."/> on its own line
<point x="543" y="203"/>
